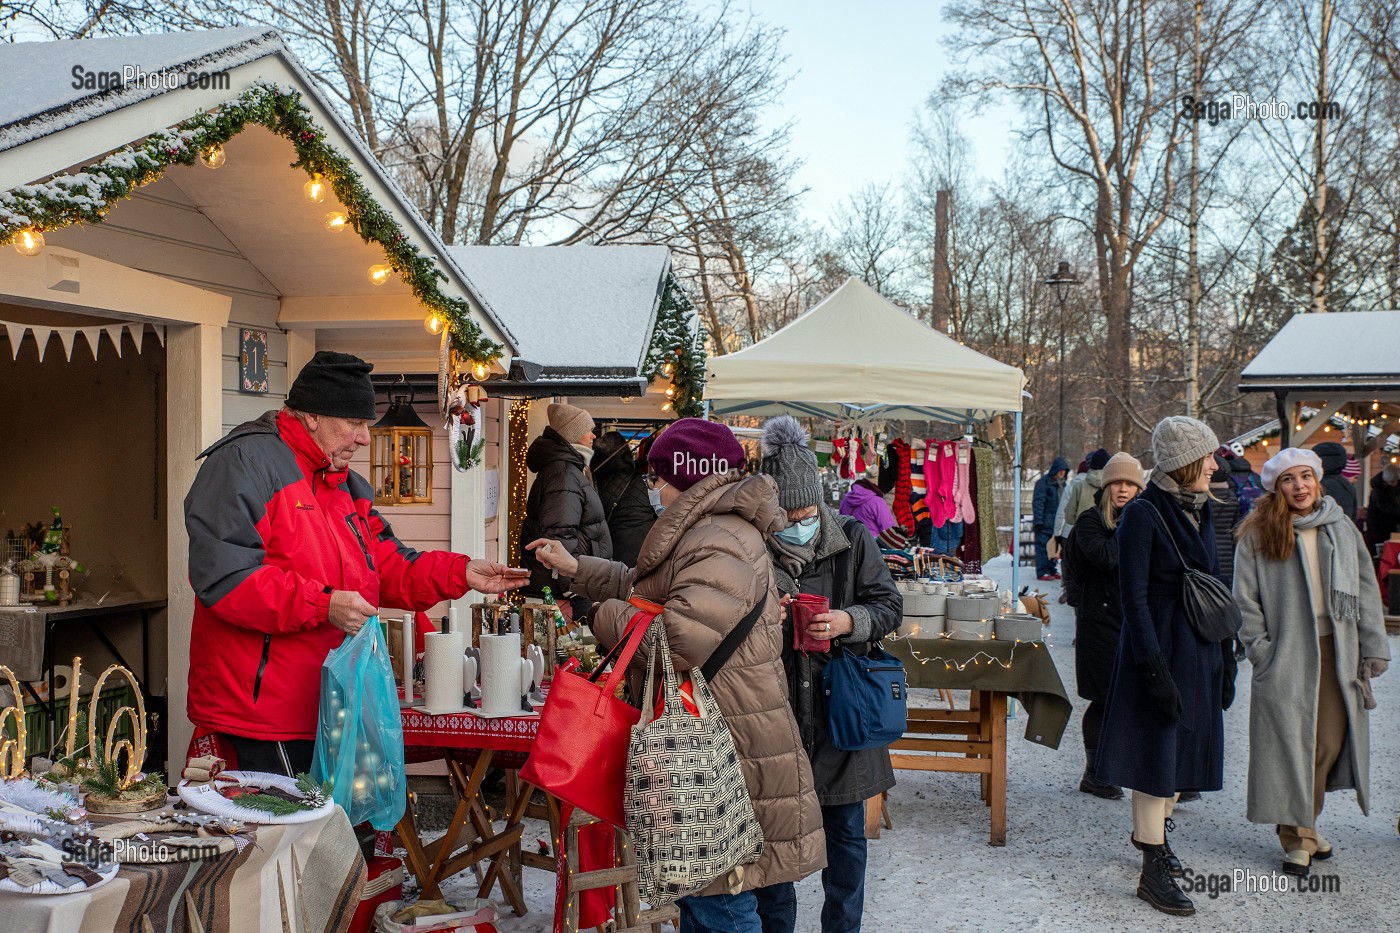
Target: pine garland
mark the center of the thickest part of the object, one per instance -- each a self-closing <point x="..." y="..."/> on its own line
<point x="677" y="340"/>
<point x="87" y="196"/>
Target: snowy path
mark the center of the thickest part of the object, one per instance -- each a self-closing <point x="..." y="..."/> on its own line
<point x="1068" y="865"/>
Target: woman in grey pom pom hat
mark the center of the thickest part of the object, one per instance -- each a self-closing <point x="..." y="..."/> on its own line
<point x="1163" y="730"/>
<point x="822" y="553"/>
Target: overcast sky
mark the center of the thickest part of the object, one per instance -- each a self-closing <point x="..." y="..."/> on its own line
<point x="861" y="71"/>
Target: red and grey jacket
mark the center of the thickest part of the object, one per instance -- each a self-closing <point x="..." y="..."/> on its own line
<point x="272" y="533"/>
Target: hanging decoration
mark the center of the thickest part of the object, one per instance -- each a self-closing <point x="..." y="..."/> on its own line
<point x="27" y="211"/>
<point x="518" y="422"/>
<point x="42" y="333"/>
<point x="678" y="351"/>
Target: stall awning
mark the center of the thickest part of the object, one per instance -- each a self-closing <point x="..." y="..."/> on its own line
<point x="856" y="354"/>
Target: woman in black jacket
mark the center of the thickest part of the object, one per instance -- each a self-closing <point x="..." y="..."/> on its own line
<point x="629" y="512"/>
<point x="1098" y="613"/>
<point x="1163" y="731"/>
<point x="826" y="554"/>
<point x="562" y="504"/>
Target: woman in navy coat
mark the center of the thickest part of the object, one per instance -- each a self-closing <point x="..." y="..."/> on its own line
<point x="1163" y="731"/>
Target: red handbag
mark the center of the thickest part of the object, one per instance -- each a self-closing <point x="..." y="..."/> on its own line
<point x="580" y="752"/>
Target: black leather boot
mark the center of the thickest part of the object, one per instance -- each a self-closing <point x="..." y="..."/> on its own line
<point x="1157" y="886"/>
<point x="1090" y="784"/>
<point x="1174" y="867"/>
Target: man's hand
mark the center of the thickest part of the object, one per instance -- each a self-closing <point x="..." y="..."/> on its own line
<point x="348" y="611"/>
<point x="554" y="556"/>
<point x="489" y="576"/>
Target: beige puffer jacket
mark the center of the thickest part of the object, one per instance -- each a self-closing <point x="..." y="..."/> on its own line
<point x="706" y="561"/>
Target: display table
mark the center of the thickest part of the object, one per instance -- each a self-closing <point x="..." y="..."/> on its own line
<point x="470" y="745"/>
<point x="27" y="641"/>
<point x="304" y="877"/>
<point x="991" y="671"/>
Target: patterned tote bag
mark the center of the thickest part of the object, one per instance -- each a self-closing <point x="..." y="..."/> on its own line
<point x="686" y="804"/>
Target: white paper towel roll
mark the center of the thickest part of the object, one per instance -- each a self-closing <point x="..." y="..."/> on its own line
<point x="442" y="671"/>
<point x="500" y="673"/>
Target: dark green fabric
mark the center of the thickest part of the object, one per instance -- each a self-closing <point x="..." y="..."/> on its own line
<point x="1032" y="677"/>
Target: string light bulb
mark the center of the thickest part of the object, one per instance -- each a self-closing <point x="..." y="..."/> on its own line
<point x="667" y="369"/>
<point x="336" y="221"/>
<point x="432" y="324"/>
<point x="29" y="242"/>
<point x="213" y="157"/>
<point x="379" y="273"/>
<point x="315" y="189"/>
<point x="1375" y="406"/>
<point x="666" y="406"/>
<point x="479" y="370"/>
<point x="670" y="391"/>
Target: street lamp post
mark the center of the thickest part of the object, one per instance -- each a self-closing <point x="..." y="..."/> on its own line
<point x="1060" y="280"/>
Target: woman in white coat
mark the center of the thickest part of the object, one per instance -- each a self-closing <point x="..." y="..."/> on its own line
<point x="1315" y="635"/>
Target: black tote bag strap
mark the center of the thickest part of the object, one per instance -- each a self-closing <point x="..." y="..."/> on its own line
<point x="733" y="640"/>
<point x="1170" y="537"/>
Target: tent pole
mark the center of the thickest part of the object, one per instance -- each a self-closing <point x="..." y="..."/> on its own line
<point x="1016" y="471"/>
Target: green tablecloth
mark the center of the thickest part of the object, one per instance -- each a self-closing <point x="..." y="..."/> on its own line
<point x="1024" y="670"/>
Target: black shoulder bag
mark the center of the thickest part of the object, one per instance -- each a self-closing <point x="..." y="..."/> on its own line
<point x="1209" y="604"/>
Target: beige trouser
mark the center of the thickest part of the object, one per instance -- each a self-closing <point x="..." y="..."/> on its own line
<point x="1331" y="735"/>
<point x="1150" y="817"/>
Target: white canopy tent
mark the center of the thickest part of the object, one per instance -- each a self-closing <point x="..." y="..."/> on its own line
<point x="856" y="356"/>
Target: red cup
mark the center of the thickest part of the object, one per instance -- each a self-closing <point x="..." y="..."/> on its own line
<point x="804" y="608"/>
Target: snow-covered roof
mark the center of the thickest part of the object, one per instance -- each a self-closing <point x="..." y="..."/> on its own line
<point x="1341" y="349"/>
<point x="37" y="79"/>
<point x="580" y="312"/>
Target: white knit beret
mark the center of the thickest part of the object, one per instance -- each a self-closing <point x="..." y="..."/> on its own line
<point x="1287" y="459"/>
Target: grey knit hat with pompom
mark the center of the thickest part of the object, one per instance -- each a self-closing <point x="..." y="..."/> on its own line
<point x="788" y="459"/>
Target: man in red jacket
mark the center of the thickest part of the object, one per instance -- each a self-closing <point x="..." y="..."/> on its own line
<point x="288" y="556"/>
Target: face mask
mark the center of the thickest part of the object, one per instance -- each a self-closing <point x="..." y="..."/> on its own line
<point x="801" y="533"/>
<point x="654" y="497"/>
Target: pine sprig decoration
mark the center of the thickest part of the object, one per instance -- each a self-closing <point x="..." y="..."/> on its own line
<point x="86" y="196"/>
<point x="313" y="797"/>
<point x="677" y="340"/>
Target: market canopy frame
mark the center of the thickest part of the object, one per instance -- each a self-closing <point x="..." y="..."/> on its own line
<point x="858" y="356"/>
<point x="855" y="356"/>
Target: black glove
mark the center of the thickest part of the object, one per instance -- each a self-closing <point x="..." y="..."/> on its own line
<point x="1227" y="686"/>
<point x="1161" y="689"/>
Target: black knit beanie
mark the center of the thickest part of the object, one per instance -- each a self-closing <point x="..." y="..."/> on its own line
<point x="335" y="384"/>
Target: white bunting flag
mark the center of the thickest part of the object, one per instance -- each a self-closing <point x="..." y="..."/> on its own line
<point x="66" y="334"/>
<point x="16" y="334"/>
<point x="114" y="334"/>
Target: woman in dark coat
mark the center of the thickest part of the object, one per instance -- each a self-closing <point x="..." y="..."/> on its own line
<point x="562" y="504"/>
<point x="1092" y="551"/>
<point x="1163" y="731"/>
<point x="826" y="554"/>
<point x="624" y="496"/>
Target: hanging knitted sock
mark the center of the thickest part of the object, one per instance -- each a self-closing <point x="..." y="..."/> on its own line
<point x="918" y="485"/>
<point x="961" y="500"/>
<point x="903" y="484"/>
<point x="970" y="550"/>
<point x="838" y="453"/>
<point x="858" y="454"/>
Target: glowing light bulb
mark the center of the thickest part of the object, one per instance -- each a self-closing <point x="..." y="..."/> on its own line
<point x="29" y="242"/>
<point x="670" y="391"/>
<point x="379" y="273"/>
<point x="315" y="189"/>
<point x="335" y="221"/>
<point x="667" y="369"/>
<point x="479" y="370"/>
<point x="212" y="157"/>
<point x="432" y="324"/>
<point x="1375" y="406"/>
<point x="666" y="406"/>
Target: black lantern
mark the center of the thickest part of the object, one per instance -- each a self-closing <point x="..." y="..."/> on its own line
<point x="401" y="452"/>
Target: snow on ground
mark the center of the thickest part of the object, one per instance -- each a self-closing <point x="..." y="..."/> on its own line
<point x="1067" y="863"/>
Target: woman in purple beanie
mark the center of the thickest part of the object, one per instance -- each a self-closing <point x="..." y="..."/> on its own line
<point x="706" y="560"/>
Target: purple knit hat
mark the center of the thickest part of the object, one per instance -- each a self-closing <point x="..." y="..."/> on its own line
<point x="691" y="449"/>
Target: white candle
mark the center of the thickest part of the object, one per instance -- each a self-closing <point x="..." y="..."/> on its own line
<point x="452" y="619"/>
<point x="408" y="657"/>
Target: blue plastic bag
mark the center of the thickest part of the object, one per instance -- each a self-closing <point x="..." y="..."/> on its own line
<point x="359" y="736"/>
